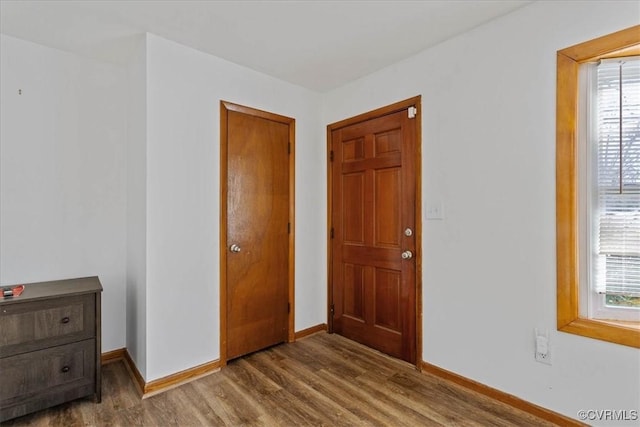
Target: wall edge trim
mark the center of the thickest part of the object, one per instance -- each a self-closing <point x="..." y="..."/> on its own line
<point x="498" y="395"/>
<point x="310" y="331"/>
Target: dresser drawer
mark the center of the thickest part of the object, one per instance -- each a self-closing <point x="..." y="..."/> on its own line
<point x="33" y="325"/>
<point x="55" y="370"/>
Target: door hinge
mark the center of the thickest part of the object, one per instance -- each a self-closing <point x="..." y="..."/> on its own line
<point x="288" y="228"/>
<point x="412" y="111"/>
<point x="333" y="309"/>
<point x="331" y="155"/>
<point x="331" y="232"/>
<point x="288" y="307"/>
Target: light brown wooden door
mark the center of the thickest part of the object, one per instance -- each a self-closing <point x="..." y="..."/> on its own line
<point x="373" y="176"/>
<point x="258" y="227"/>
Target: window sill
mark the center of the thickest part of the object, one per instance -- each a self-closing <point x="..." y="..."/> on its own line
<point x="623" y="324"/>
<point x="619" y="332"/>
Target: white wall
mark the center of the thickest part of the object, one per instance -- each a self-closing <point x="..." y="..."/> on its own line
<point x="488" y="142"/>
<point x="184" y="89"/>
<point x="62" y="180"/>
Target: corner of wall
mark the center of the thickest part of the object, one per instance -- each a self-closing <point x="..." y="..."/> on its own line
<point x="136" y="255"/>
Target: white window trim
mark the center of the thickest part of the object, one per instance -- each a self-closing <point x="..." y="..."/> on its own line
<point x="592" y="304"/>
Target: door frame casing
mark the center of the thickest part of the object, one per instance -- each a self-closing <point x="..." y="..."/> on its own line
<point x="379" y="112"/>
<point x="225" y="107"/>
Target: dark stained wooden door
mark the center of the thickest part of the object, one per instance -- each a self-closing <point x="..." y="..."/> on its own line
<point x="373" y="203"/>
<point x="257" y="232"/>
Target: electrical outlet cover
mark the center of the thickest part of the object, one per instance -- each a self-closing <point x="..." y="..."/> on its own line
<point x="544" y="358"/>
<point x="543" y="350"/>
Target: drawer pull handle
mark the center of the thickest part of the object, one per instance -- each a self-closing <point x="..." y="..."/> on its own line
<point x="65" y="320"/>
<point x="65" y="369"/>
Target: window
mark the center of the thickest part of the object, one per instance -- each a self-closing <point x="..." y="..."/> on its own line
<point x="598" y="188"/>
<point x="609" y="194"/>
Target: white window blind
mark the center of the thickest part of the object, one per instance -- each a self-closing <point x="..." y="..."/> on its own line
<point x="616" y="214"/>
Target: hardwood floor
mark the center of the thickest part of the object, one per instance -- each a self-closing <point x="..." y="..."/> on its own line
<point x="321" y="380"/>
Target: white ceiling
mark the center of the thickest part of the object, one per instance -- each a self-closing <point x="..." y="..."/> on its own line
<point x="319" y="45"/>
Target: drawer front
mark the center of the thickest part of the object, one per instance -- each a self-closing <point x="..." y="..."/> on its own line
<point x="33" y="325"/>
<point x="57" y="369"/>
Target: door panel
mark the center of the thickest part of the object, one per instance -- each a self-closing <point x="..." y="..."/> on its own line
<point x="354" y="291"/>
<point x="257" y="208"/>
<point x="373" y="201"/>
<point x="387" y="221"/>
<point x="353" y="203"/>
<point x="387" y="297"/>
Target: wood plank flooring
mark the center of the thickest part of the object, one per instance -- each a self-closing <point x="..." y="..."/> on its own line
<point x="321" y="380"/>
